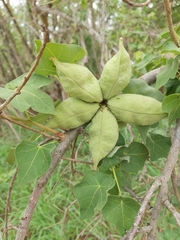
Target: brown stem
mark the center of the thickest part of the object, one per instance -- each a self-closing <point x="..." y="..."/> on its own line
<point x="8" y="203"/>
<point x="168" y="8"/>
<point x="57" y="136"/>
<point x="137" y="4"/>
<point x="27" y="77"/>
<point x="42" y="181"/>
<point x="174" y="180"/>
<point x="162" y="181"/>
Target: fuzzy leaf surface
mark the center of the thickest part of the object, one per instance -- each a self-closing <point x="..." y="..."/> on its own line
<point x="103" y="134"/>
<point x="72" y="113"/>
<point x="158" y="146"/>
<point x="63" y="52"/>
<point x="78" y="81"/>
<point x="92" y="192"/>
<point x="136" y="109"/>
<point x="33" y="160"/>
<point x="116" y="73"/>
<point x="121" y="212"/>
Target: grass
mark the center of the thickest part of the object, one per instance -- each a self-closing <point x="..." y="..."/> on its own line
<point x="57" y="213"/>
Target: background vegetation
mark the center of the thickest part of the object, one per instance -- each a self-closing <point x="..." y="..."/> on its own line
<point x="95" y="25"/>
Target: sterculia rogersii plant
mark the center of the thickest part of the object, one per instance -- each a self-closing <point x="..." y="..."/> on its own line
<point x="102" y="102"/>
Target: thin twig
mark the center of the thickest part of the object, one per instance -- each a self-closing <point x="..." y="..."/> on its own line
<point x="174" y="184"/>
<point x="27" y="77"/>
<point x="7" y="208"/>
<point x="173" y="211"/>
<point x="146" y="3"/>
<point x="77" y="161"/>
<point x="30" y="128"/>
<point x="168" y="8"/>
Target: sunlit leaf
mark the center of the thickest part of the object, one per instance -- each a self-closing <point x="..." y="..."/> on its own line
<point x="121" y="212"/>
<point x="171" y="104"/>
<point x="30" y="95"/>
<point x="35" y="80"/>
<point x="158" y="146"/>
<point x="63" y="52"/>
<point x="92" y="192"/>
<point x="33" y="160"/>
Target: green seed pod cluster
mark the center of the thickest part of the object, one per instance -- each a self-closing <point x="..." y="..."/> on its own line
<point x="116" y="73"/>
<point x="100" y="102"/>
<point x="136" y="109"/>
<point x="72" y="113"/>
<point x="78" y="81"/>
<point x="103" y="134"/>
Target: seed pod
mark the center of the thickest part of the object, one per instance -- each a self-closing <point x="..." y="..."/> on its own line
<point x="72" y="113"/>
<point x="136" y="109"/>
<point x="103" y="134"/>
<point x="78" y="81"/>
<point x="116" y="73"/>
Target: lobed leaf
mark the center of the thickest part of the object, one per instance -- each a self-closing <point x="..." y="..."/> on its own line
<point x="92" y="192"/>
<point x="171" y="104"/>
<point x="158" y="146"/>
<point x="33" y="160"/>
<point x="121" y="212"/>
<point x="62" y="52"/>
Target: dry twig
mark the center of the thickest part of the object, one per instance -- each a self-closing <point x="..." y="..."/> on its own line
<point x="168" y="8"/>
<point x="137" y="4"/>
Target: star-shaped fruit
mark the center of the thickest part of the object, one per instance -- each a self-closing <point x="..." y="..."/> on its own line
<point x="102" y="103"/>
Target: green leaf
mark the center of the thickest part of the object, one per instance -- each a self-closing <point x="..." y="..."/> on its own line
<point x="35" y="80"/>
<point x="33" y="160"/>
<point x="168" y="72"/>
<point x="171" y="104"/>
<point x="92" y="192"/>
<point x="63" y="52"/>
<point x="30" y="95"/>
<point x="139" y="86"/>
<point x="103" y="134"/>
<point x="138" y="154"/>
<point x="145" y="61"/>
<point x="10" y="158"/>
<point x="108" y="163"/>
<point x="170" y="47"/>
<point x="121" y="212"/>
<point x="143" y="130"/>
<point x="158" y="146"/>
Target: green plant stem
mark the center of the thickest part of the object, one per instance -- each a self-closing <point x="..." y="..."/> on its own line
<point x="116" y="180"/>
